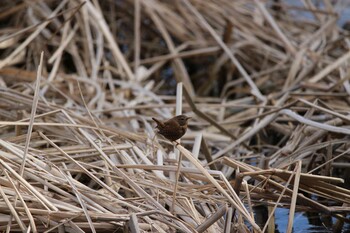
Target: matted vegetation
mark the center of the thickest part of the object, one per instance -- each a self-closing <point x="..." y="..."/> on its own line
<point x="266" y="84"/>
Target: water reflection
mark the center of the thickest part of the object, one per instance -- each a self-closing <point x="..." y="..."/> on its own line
<point x="310" y="222"/>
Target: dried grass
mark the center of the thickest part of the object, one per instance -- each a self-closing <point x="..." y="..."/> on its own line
<point x="268" y="91"/>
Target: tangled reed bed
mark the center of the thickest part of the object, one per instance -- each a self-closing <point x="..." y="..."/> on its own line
<point x="267" y="88"/>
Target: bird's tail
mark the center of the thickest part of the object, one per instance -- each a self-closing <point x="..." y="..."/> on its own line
<point x="159" y="123"/>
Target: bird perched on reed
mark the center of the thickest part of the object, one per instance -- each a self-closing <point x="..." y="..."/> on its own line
<point x="173" y="128"/>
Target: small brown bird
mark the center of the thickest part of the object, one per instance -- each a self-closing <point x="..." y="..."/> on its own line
<point x="173" y="128"/>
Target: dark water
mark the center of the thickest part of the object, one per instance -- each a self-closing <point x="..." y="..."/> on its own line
<point x="303" y="222"/>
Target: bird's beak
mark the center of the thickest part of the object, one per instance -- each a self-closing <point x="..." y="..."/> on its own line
<point x="188" y="118"/>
